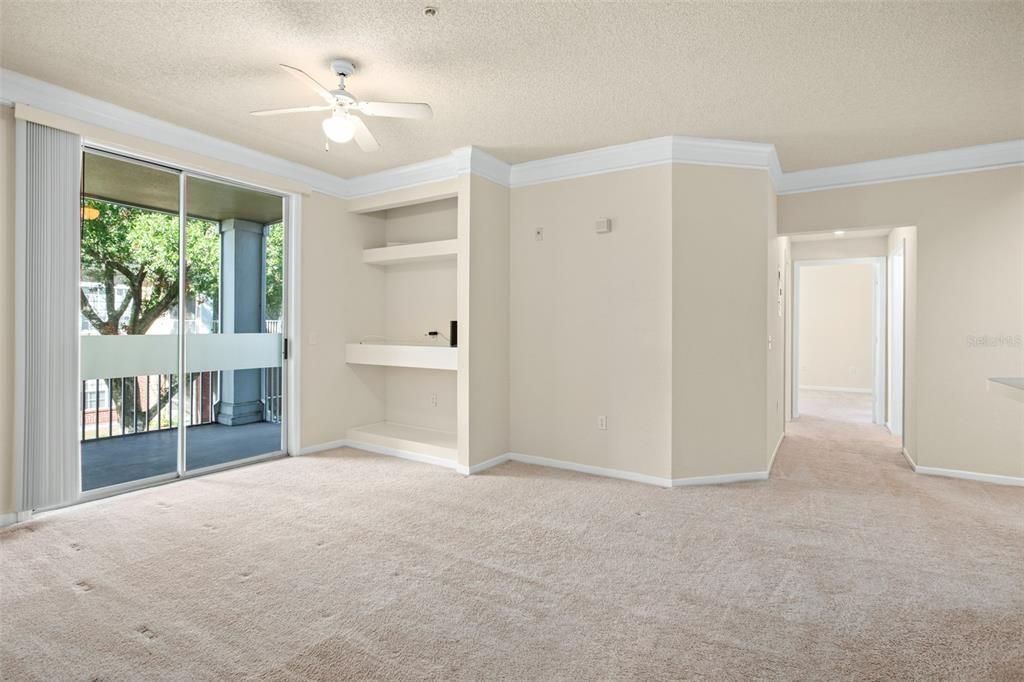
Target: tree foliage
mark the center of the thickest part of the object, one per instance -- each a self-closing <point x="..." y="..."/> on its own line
<point x="275" y="270"/>
<point x="139" y="249"/>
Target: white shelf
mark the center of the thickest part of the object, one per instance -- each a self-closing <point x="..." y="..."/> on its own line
<point x="411" y="253"/>
<point x="406" y="439"/>
<point x="395" y="355"/>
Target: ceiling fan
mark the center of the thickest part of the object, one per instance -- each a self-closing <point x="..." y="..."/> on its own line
<point x="343" y="125"/>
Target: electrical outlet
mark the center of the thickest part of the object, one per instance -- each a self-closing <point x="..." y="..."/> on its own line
<point x="602" y="423"/>
<point x="433" y="400"/>
<point x="538" y="234"/>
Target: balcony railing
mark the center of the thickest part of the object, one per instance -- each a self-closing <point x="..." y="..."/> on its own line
<point x="110" y="410"/>
<point x="149" y="399"/>
<point x="123" y="406"/>
<point x="273" y="393"/>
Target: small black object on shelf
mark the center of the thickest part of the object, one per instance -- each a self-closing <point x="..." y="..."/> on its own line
<point x="453" y="336"/>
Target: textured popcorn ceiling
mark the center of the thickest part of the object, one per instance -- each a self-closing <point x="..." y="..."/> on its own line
<point x="828" y="83"/>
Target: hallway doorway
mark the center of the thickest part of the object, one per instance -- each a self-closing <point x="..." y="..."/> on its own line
<point x="839" y="368"/>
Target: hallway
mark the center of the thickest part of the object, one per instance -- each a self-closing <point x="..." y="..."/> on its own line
<point x="840" y="406"/>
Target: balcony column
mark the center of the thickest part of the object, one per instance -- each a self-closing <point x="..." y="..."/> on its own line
<point x="241" y="292"/>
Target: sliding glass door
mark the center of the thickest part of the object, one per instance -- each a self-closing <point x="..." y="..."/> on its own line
<point x="181" y="323"/>
<point x="129" y="343"/>
<point x="233" y="334"/>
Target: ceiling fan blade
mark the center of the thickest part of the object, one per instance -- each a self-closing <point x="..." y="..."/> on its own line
<point x="292" y="110"/>
<point x="363" y="137"/>
<point x="310" y="82"/>
<point x="397" y="109"/>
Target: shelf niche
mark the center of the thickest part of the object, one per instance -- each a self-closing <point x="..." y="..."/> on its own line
<point x="413" y="247"/>
<point x="423" y="287"/>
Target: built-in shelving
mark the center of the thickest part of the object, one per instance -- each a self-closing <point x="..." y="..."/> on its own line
<point x="412" y="253"/>
<point x="402" y="355"/>
<point x="417" y="265"/>
<point x="406" y="438"/>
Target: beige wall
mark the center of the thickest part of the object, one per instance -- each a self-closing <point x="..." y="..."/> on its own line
<point x="342" y="299"/>
<point x="968" y="268"/>
<point x="724" y="224"/>
<point x="484" y="322"/>
<point x="591" y="321"/>
<point x="837" y="326"/>
<point x="7" y="305"/>
<point x="660" y="325"/>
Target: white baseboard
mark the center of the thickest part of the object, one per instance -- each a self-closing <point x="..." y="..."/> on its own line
<point x="721" y="478"/>
<point x="910" y="461"/>
<point x="321" y="447"/>
<point x="483" y="466"/>
<point x="545" y="462"/>
<point x="836" y="389"/>
<point x="972" y="476"/>
<point x="593" y="470"/>
<point x="403" y="454"/>
<point x="771" y="460"/>
<point x="380" y="450"/>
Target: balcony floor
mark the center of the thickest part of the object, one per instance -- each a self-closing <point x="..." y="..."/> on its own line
<point x="110" y="461"/>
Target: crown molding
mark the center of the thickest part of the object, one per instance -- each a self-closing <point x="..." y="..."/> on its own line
<point x="947" y="162"/>
<point x="484" y="165"/>
<point x="18" y="88"/>
<point x="21" y="89"/>
<point x="402" y="177"/>
<point x="651" y="152"/>
<point x="461" y="161"/>
<point x="619" y="157"/>
<point x="731" y="153"/>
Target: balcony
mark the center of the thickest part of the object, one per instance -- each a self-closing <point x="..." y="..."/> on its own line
<point x="129" y="426"/>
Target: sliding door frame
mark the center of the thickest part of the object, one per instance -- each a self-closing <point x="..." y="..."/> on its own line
<point x="290" y="439"/>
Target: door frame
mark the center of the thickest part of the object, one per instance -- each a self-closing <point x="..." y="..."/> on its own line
<point x="291" y="216"/>
<point x="878" y="356"/>
<point x="897" y="404"/>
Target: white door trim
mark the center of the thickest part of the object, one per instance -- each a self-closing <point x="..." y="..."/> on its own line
<point x="897" y="370"/>
<point x="293" y="316"/>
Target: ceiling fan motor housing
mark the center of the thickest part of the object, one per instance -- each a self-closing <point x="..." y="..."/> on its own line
<point x="343" y="67"/>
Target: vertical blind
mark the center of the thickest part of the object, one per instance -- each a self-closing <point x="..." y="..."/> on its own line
<point x="49" y="457"/>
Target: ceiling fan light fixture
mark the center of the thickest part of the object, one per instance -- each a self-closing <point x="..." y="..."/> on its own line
<point x="339" y="127"/>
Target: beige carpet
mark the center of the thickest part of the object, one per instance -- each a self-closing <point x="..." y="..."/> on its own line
<point x="837" y="405"/>
<point x="844" y="565"/>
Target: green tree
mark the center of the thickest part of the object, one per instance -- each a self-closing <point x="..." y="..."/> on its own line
<point x="275" y="270"/>
<point x="138" y="249"/>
